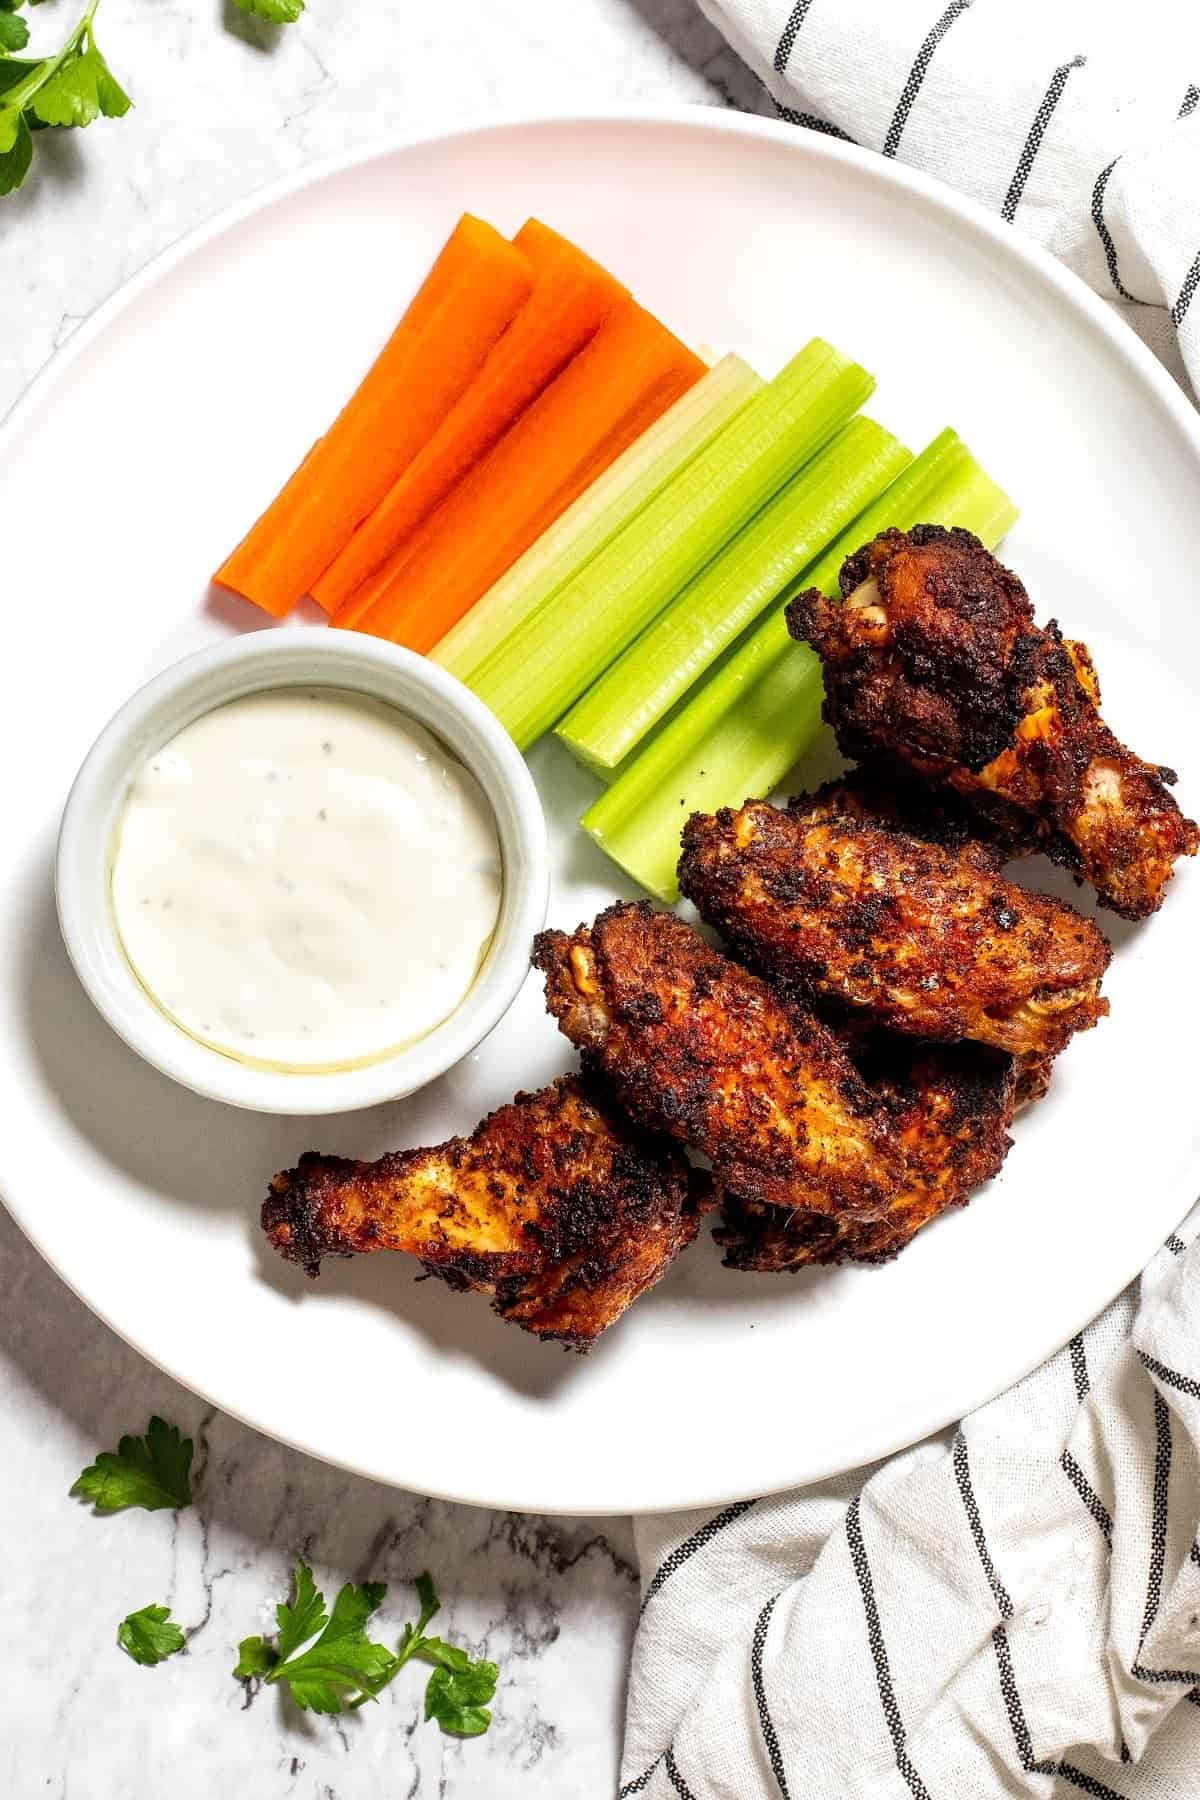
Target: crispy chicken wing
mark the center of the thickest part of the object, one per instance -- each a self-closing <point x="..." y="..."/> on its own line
<point x="951" y="1106"/>
<point x="698" y="1047"/>
<point x="927" y="941"/>
<point x="933" y="657"/>
<point x="555" y="1205"/>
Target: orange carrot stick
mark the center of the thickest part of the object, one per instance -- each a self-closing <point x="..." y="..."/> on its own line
<point x="629" y="373"/>
<point x="571" y="294"/>
<point x="474" y="289"/>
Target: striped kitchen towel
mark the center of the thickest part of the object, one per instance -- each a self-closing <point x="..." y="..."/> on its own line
<point x="1011" y="1609"/>
<point x="1075" y="119"/>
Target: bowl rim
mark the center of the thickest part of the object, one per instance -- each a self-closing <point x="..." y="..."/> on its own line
<point x="297" y="656"/>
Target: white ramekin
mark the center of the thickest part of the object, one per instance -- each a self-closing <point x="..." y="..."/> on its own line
<point x="296" y="658"/>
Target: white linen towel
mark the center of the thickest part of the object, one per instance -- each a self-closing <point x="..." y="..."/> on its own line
<point x="1012" y="1608"/>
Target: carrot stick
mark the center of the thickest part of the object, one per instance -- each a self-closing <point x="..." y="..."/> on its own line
<point x="629" y="373"/>
<point x="468" y="298"/>
<point x="571" y="294"/>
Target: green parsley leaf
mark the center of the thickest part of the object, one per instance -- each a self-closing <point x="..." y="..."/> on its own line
<point x="81" y="89"/>
<point x="255" y="1657"/>
<point x="341" y="1662"/>
<point x="457" y="1696"/>
<point x="14" y="32"/>
<point x="71" y="88"/>
<point x="150" y="1636"/>
<point x="15" y="161"/>
<point x="275" y="12"/>
<point x="152" y="1471"/>
<point x="304" y="1618"/>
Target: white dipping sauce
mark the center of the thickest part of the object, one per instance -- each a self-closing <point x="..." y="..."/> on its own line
<point x="305" y="878"/>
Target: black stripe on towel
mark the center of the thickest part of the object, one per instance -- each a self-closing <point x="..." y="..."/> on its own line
<point x="789" y="34"/>
<point x="1191" y="282"/>
<point x="1037" y="132"/>
<point x="1158" y="1518"/>
<point x="1103" y="233"/>
<point x="1079" y="1368"/>
<point x="1087" y="1494"/>
<point x="676" y="1779"/>
<point x="689" y="1547"/>
<point x="1176" y="1244"/>
<point x="1089" y="1784"/>
<point x="639" y="1781"/>
<point x="1158" y="1537"/>
<point x="810" y="122"/>
<point x="1189" y="101"/>
<point x="962" y="1474"/>
<point x="1008" y="1681"/>
<point x="917" y="73"/>
<point x="883" y="1675"/>
<point x="1172" y="1377"/>
<point x="770" y="1736"/>
<point x="1194" y="1555"/>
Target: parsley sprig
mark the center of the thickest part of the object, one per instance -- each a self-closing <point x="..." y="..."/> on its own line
<point x="72" y="88"/>
<point x="152" y="1471"/>
<point x="342" y="1668"/>
<point x="150" y="1636"/>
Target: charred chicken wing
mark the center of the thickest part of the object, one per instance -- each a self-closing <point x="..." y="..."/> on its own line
<point x="931" y="942"/>
<point x="933" y="657"/>
<point x="951" y="1106"/>
<point x="555" y="1205"/>
<point x="696" y="1046"/>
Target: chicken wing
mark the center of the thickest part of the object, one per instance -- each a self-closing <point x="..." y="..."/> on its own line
<point x="951" y="1106"/>
<point x="555" y="1205"/>
<point x="933" y="657"/>
<point x="931" y="942"/>
<point x="698" y="1047"/>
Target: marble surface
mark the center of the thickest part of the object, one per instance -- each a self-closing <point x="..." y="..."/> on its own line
<point x="222" y="106"/>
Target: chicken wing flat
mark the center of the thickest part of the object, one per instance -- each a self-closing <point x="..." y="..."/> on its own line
<point x="933" y="657"/>
<point x="555" y="1205"/>
<point x="931" y="942"/>
<point x="698" y="1047"/>
<point x="951" y="1106"/>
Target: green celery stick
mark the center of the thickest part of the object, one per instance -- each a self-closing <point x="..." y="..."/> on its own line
<point x="616" y="496"/>
<point x="544" y="666"/>
<point x="675" y="650"/>
<point x="742" y="730"/>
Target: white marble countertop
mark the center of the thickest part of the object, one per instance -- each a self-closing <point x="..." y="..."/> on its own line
<point x="223" y="105"/>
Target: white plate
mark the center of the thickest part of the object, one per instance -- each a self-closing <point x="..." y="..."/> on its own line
<point x="136" y="460"/>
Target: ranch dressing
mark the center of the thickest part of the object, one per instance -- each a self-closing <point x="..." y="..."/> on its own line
<point x="306" y="879"/>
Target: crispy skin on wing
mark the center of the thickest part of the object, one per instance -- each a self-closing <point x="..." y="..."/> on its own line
<point x="952" y="1106"/>
<point x="933" y="657"/>
<point x="696" y="1046"/>
<point x="931" y="942"/>
<point x="555" y="1205"/>
<point x="897" y="800"/>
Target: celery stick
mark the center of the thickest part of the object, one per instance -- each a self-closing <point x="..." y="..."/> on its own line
<point x="626" y="486"/>
<point x="673" y="652"/>
<point x="742" y="730"/>
<point x="536" y="674"/>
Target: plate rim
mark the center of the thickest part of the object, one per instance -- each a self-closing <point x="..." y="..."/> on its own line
<point x="942" y="199"/>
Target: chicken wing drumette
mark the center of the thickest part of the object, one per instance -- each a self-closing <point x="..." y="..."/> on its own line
<point x="951" y="1106"/>
<point x="555" y="1205"/>
<point x="931" y="942"/>
<point x="697" y="1046"/>
<point x="933" y="657"/>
